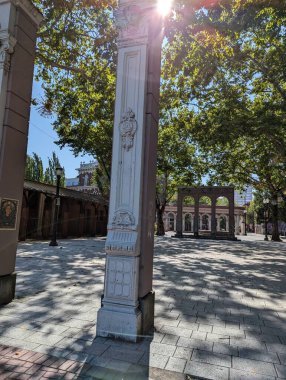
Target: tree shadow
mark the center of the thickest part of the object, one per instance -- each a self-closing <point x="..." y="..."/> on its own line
<point x="226" y="299"/>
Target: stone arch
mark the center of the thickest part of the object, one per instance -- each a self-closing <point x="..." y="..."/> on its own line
<point x="171" y="221"/>
<point x="200" y="194"/>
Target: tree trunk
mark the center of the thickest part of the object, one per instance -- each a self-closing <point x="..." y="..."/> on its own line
<point x="160" y="224"/>
<point x="275" y="229"/>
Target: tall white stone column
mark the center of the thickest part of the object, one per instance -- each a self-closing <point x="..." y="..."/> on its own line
<point x="128" y="304"/>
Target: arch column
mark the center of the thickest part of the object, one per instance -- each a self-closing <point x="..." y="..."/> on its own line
<point x="237" y="219"/>
<point x="179" y="219"/>
<point x="19" y="21"/>
<point x="196" y="216"/>
<point x="213" y="218"/>
<point x="128" y="304"/>
<point x="231" y="222"/>
<point x="175" y="222"/>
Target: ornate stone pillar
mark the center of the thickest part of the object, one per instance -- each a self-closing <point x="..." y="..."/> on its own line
<point x="213" y="218"/>
<point x="175" y="222"/>
<point x="236" y="224"/>
<point x="19" y="21"/>
<point x="128" y="304"/>
<point x="231" y="215"/>
<point x="179" y="219"/>
<point x="197" y="216"/>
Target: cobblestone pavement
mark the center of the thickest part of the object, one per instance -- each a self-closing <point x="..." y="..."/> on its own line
<point x="220" y="314"/>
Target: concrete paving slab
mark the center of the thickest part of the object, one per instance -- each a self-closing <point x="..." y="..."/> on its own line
<point x="227" y="299"/>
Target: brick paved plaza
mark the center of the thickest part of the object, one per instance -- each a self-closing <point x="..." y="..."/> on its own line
<point x="220" y="313"/>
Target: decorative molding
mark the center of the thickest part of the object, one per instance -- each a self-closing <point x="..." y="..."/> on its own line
<point x="120" y="278"/>
<point x="31" y="10"/>
<point x="131" y="21"/>
<point x="128" y="127"/>
<point x="7" y="45"/>
<point x="122" y="242"/>
<point x="122" y="237"/>
<point x="123" y="219"/>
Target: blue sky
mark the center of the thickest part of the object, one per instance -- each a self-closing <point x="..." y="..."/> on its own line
<point x="42" y="136"/>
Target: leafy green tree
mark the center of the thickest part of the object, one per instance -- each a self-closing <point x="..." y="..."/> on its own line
<point x="34" y="168"/>
<point x="223" y="81"/>
<point x="50" y="176"/>
<point x="100" y="179"/>
<point x="225" y="70"/>
<point x="76" y="55"/>
<point x="177" y="165"/>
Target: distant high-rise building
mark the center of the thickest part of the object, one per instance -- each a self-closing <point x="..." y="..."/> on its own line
<point x="243" y="197"/>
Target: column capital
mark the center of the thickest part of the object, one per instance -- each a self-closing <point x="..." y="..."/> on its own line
<point x="28" y="7"/>
<point x="7" y="45"/>
<point x="132" y="19"/>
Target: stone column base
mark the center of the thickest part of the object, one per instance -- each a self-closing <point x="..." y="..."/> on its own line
<point x="7" y="288"/>
<point x="147" y="309"/>
<point x="115" y="321"/>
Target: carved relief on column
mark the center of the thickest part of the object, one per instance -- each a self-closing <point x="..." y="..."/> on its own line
<point x="133" y="27"/>
<point x="7" y="44"/>
<point x="122" y="235"/>
<point x="120" y="279"/>
<point x="128" y="128"/>
<point x="131" y="22"/>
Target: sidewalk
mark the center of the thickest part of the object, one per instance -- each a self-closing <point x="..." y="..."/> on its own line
<point x="220" y="313"/>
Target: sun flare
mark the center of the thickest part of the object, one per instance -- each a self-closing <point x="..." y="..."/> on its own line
<point x="164" y="7"/>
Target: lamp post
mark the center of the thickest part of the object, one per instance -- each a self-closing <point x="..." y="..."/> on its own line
<point x="53" y="242"/>
<point x="245" y="212"/>
<point x="266" y="203"/>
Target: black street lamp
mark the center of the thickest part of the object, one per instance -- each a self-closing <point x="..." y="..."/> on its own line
<point x="266" y="204"/>
<point x="53" y="242"/>
<point x="245" y="212"/>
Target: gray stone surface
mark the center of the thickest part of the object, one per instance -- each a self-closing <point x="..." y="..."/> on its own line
<point x="208" y="371"/>
<point x="281" y="371"/>
<point x="254" y="366"/>
<point x="219" y="311"/>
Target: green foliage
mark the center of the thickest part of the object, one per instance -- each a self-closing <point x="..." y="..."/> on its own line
<point x="177" y="165"/>
<point x="225" y="72"/>
<point x="100" y="179"/>
<point x="76" y="57"/>
<point x="205" y="201"/>
<point x="189" y="201"/>
<point x="34" y="168"/>
<point x="50" y="176"/>
<point x="223" y="91"/>
<point x="222" y="201"/>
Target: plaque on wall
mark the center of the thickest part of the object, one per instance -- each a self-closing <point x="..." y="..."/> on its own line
<point x="8" y="213"/>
